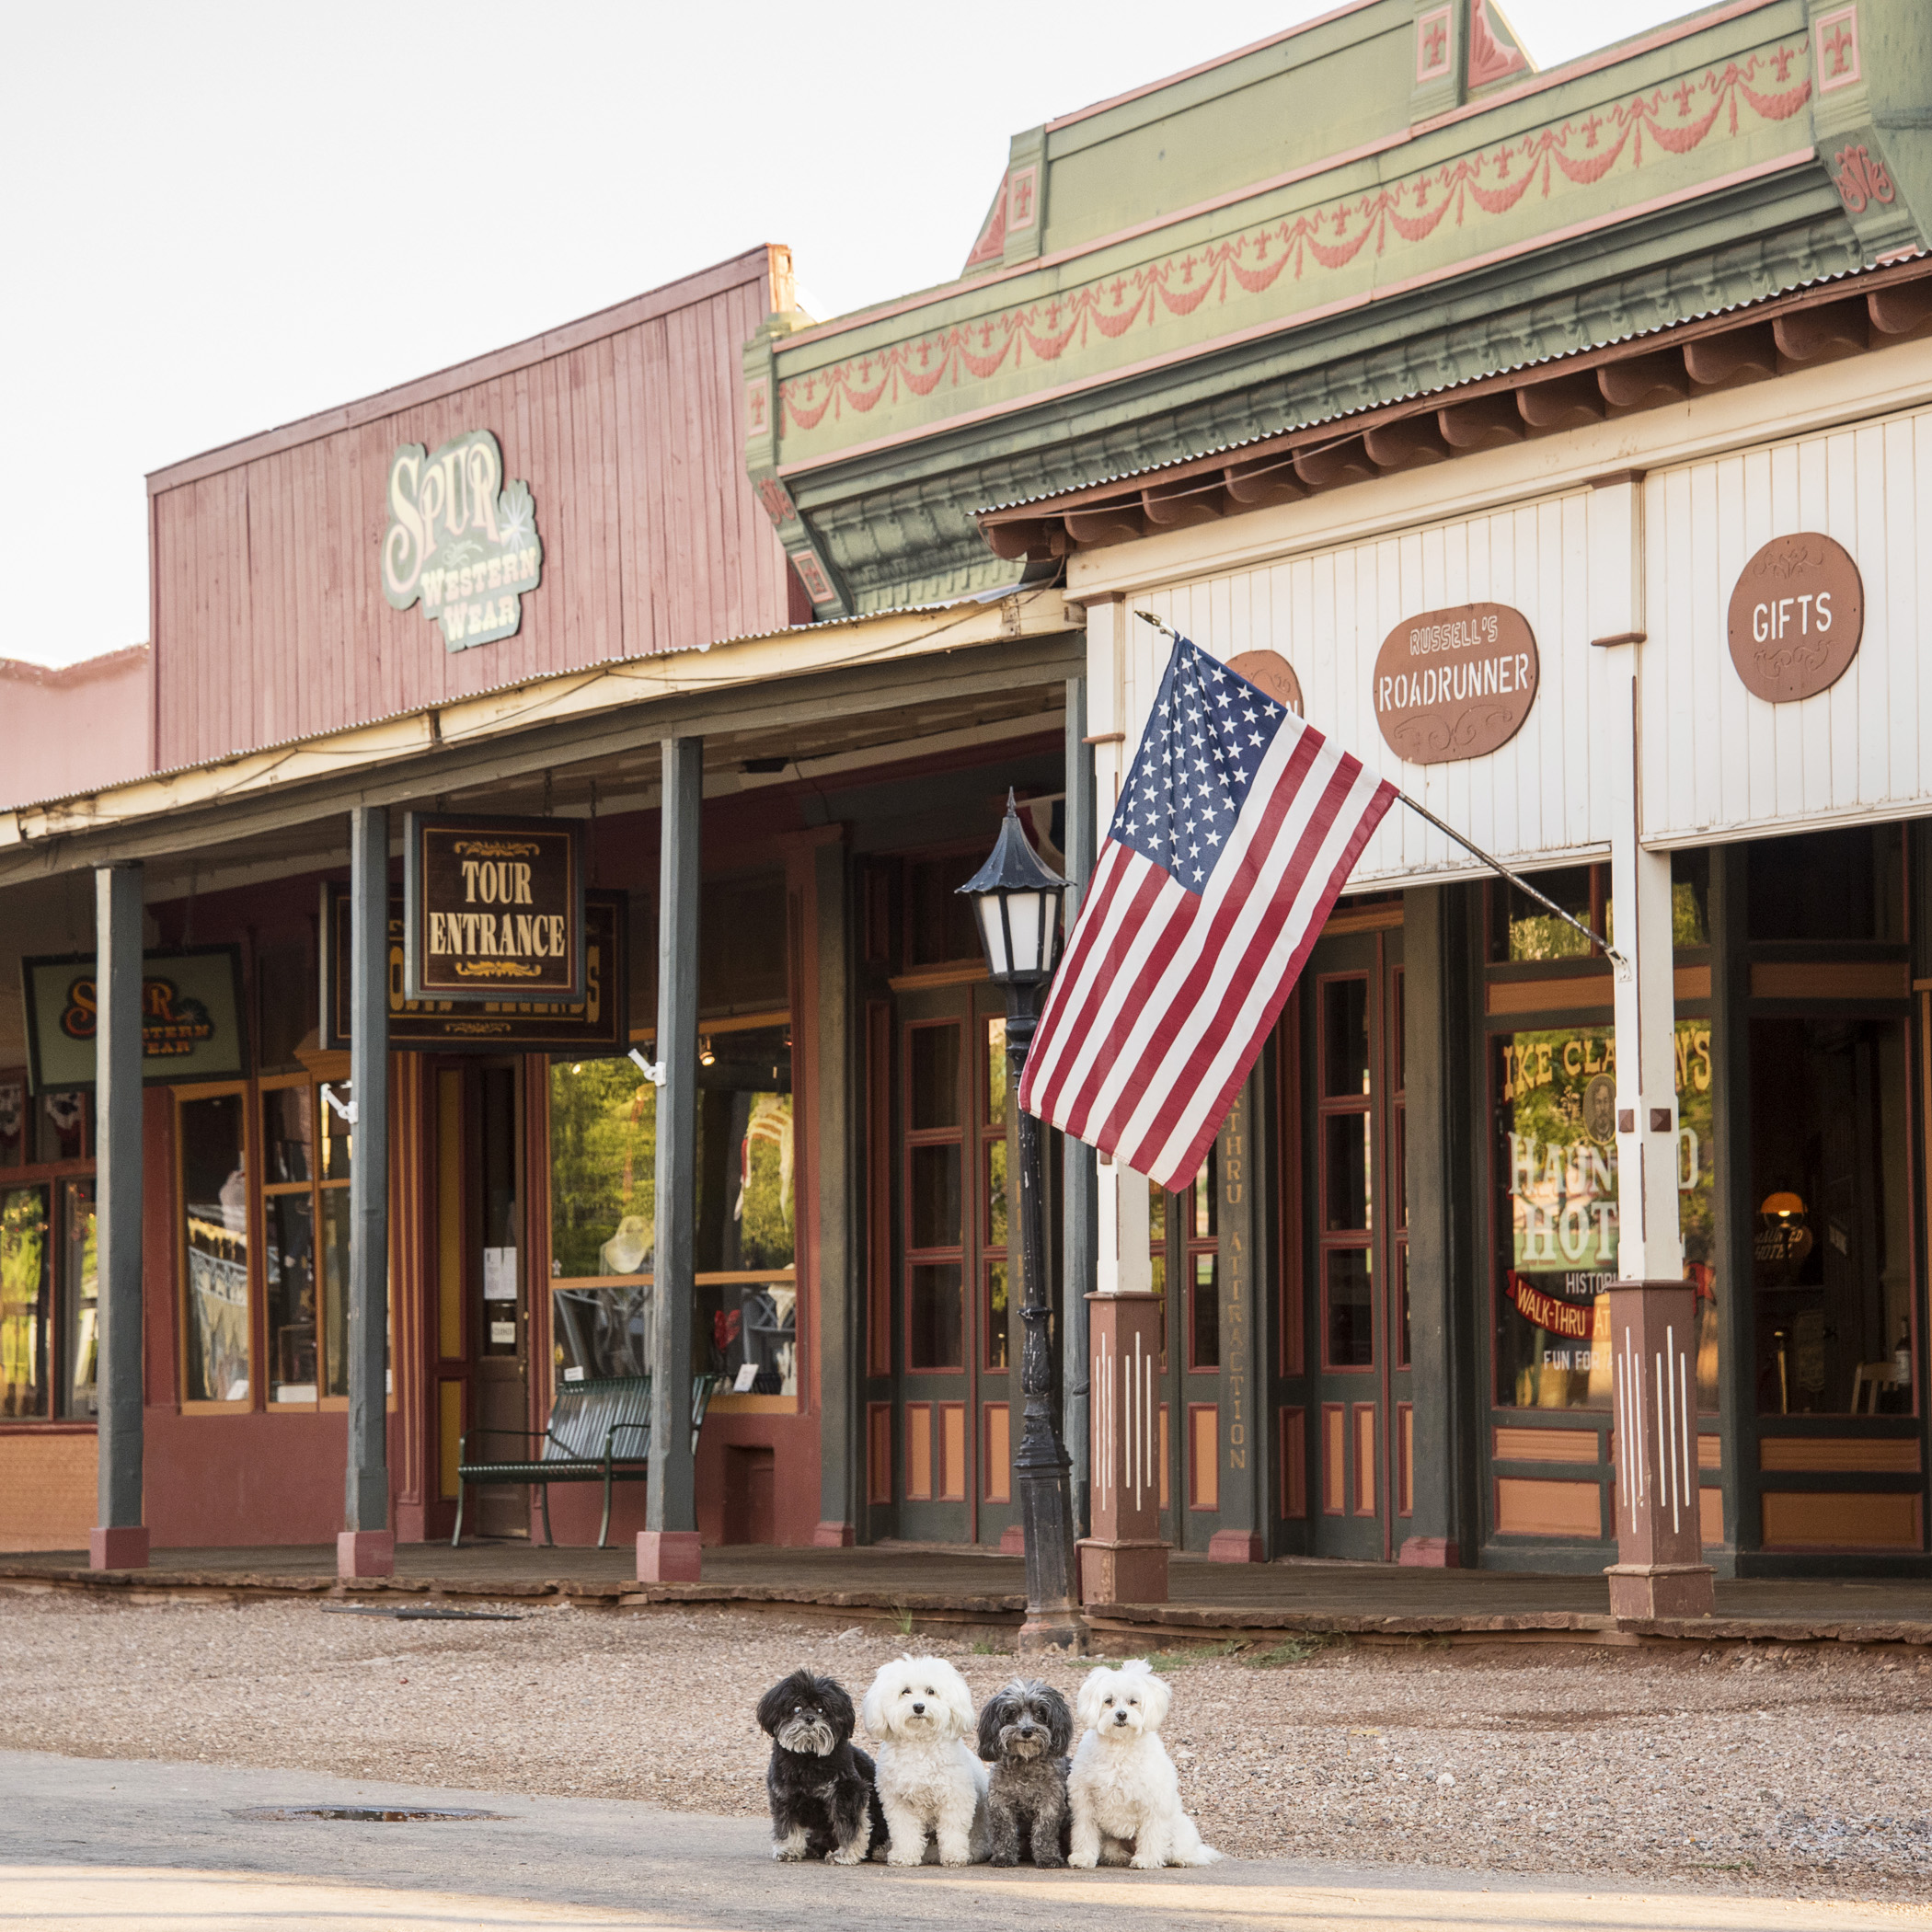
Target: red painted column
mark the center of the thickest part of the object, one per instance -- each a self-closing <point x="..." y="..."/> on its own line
<point x="1659" y="1569"/>
<point x="1124" y="1561"/>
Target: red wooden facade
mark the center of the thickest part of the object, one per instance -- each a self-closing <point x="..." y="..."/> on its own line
<point x="268" y="616"/>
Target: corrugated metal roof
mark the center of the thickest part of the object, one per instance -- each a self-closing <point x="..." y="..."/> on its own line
<point x="561" y="677"/>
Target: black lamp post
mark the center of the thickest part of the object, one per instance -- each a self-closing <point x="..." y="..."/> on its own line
<point x="1019" y="900"/>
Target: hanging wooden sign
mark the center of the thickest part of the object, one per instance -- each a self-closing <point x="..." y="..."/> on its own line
<point x="191" y="1017"/>
<point x="1455" y="684"/>
<point x="1797" y="616"/>
<point x="593" y="1027"/>
<point x="492" y="908"/>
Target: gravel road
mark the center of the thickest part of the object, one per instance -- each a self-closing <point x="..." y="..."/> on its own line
<point x="1789" y="1770"/>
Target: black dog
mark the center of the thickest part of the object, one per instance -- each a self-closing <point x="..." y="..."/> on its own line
<point x="1024" y="1732"/>
<point x="823" y="1803"/>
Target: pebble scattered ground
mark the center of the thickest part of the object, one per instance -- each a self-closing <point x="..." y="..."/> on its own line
<point x="1803" y="1769"/>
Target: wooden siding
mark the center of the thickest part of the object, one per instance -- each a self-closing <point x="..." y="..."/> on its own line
<point x="1720" y="762"/>
<point x="271" y="622"/>
<point x="1546" y="792"/>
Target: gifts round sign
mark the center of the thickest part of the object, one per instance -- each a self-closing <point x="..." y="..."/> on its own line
<point x="1797" y="614"/>
<point x="1455" y="684"/>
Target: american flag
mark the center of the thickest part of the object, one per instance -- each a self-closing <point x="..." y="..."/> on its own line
<point x="1236" y="830"/>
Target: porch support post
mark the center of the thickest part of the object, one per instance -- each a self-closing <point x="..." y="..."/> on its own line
<point x="668" y="1545"/>
<point x="1238" y="1437"/>
<point x="1659" y="1570"/>
<point x="366" y="1548"/>
<point x="1443" y="1419"/>
<point x="120" y="1540"/>
<point x="836" y="1097"/>
<point x="1078" y="1168"/>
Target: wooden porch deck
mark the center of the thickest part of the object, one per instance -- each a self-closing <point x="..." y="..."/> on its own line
<point x="1208" y="1601"/>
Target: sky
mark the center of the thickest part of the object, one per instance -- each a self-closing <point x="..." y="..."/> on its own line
<point x="226" y="217"/>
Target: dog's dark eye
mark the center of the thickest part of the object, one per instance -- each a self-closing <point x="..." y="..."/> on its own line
<point x="1106" y="1701"/>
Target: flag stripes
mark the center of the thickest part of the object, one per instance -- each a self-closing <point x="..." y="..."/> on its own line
<point x="1181" y="959"/>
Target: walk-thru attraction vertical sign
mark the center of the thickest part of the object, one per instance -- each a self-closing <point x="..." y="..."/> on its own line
<point x="460" y="540"/>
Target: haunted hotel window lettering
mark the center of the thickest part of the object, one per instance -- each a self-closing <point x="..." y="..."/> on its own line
<point x="1557" y="1214"/>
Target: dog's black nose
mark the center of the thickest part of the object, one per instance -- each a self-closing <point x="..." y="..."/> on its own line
<point x="918" y="1710"/>
<point x="1120" y="1717"/>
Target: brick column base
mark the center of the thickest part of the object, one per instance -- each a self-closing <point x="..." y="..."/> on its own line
<point x="364" y="1553"/>
<point x="124" y="1548"/>
<point x="669" y="1556"/>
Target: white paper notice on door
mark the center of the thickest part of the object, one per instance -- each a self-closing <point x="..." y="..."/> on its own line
<point x="499" y="1274"/>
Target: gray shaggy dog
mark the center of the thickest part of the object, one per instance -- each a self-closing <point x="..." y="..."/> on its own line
<point x="1024" y="1734"/>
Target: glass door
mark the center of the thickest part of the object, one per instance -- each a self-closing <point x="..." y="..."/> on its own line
<point x="1360" y="1451"/>
<point x="498" y="1293"/>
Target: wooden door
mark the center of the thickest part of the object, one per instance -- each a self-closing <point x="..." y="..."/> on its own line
<point x="1356" y="1261"/>
<point x="498" y="1294"/>
<point x="952" y="1420"/>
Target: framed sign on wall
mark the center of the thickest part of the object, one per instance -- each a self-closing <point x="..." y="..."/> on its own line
<point x="193" y="1018"/>
<point x="597" y="1025"/>
<point x="492" y="908"/>
<point x="1455" y="684"/>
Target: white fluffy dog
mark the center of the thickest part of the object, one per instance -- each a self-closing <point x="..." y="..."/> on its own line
<point x="1123" y="1788"/>
<point x="929" y="1777"/>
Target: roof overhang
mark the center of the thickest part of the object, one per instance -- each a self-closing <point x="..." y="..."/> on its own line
<point x="1851" y="315"/>
<point x="784" y="680"/>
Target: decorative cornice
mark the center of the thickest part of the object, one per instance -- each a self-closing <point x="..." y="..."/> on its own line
<point x="1356" y="240"/>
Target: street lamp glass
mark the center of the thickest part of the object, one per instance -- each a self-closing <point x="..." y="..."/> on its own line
<point x="1018" y="900"/>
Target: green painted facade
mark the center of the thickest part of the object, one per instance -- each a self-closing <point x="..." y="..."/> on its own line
<point x="1343" y="217"/>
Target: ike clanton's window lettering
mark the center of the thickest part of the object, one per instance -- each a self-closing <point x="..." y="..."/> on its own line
<point x="1560" y="1226"/>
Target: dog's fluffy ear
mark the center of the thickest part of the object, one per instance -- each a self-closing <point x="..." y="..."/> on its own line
<point x="998" y="1712"/>
<point x="836" y="1705"/>
<point x="1087" y="1704"/>
<point x="1156" y="1694"/>
<point x="1060" y="1720"/>
<point x="779" y="1698"/>
<point x="872" y="1712"/>
<point x="958" y="1699"/>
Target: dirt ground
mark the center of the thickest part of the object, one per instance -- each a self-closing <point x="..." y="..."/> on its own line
<point x="1802" y="1768"/>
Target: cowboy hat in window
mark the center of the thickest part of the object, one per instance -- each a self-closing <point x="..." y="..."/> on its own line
<point x="629" y="1250"/>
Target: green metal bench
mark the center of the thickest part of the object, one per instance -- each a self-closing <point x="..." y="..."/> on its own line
<point x="600" y="1432"/>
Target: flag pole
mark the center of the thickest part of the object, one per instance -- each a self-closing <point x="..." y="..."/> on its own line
<point x="1495" y="865"/>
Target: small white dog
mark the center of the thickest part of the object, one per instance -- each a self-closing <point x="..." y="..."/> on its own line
<point x="1123" y="1788"/>
<point x="929" y="1779"/>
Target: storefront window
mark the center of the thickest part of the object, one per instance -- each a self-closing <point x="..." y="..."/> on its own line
<point x="603" y="1214"/>
<point x="1198" y="1207"/>
<point x="992" y="1168"/>
<point x="1843" y="884"/>
<point x="214" y="1198"/>
<point x="1831" y="1263"/>
<point x="1557" y="1224"/>
<point x="79" y="1303"/>
<point x="13" y="1122"/>
<point x="306" y="1280"/>
<point x="26" y="1292"/>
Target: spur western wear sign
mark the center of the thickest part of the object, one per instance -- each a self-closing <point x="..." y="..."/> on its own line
<point x="190" y="1017"/>
<point x="492" y="907"/>
<point x="1455" y="684"/>
<point x="460" y="539"/>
